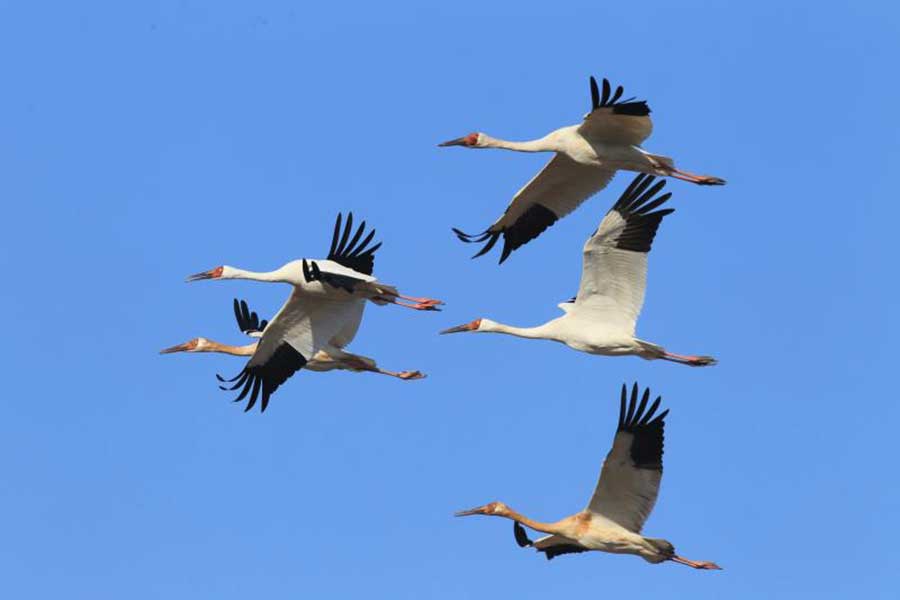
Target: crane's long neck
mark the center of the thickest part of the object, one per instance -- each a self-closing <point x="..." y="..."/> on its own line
<point x="544" y="144"/>
<point x="557" y="528"/>
<point x="541" y="332"/>
<point x="212" y="346"/>
<point x="278" y="275"/>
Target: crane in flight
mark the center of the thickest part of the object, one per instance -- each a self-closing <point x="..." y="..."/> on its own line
<point x="250" y="324"/>
<point x="623" y="499"/>
<point x="586" y="157"/>
<point x="601" y="319"/>
<point x="346" y="272"/>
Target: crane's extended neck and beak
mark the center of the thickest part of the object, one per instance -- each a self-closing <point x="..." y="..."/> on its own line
<point x="488" y="326"/>
<point x="205" y="345"/>
<point x="282" y="275"/>
<point x="548" y="143"/>
<point x="498" y="509"/>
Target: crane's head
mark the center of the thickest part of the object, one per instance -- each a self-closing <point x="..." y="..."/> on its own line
<point x="199" y="344"/>
<point x="473" y="140"/>
<point x="216" y="273"/>
<point x="492" y="509"/>
<point x="471" y="326"/>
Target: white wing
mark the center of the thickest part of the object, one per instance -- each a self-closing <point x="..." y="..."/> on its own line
<point x="613" y="121"/>
<point x="558" y="189"/>
<point x="632" y="471"/>
<point x="302" y="327"/>
<point x="614" y="268"/>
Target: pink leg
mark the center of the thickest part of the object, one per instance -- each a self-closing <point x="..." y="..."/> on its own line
<point x="697" y="564"/>
<point x="429" y="305"/>
<point x="424" y="301"/>
<point x="698" y="179"/>
<point x="693" y="361"/>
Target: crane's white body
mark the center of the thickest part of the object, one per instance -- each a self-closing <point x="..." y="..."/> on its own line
<point x="587" y="157"/>
<point x="602" y="318"/>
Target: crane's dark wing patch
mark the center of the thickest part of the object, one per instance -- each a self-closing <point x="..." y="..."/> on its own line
<point x="648" y="432"/>
<point x="611" y="100"/>
<point x="550" y="551"/>
<point x="353" y="253"/>
<point x="634" y="207"/>
<point x="559" y="549"/>
<point x="311" y="272"/>
<point x="265" y="378"/>
<point x="248" y="322"/>
<point x="521" y="536"/>
<point x="531" y="224"/>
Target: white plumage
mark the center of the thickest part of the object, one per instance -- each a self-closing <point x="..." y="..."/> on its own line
<point x="586" y="159"/>
<point x="601" y="319"/>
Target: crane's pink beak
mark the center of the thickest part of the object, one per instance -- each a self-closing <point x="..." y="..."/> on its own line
<point x="211" y="274"/>
<point x="185" y="347"/>
<point x="473" y="326"/>
<point x="466" y="140"/>
<point x="480" y="510"/>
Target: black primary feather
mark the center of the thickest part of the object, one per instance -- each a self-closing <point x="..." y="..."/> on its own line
<point x="528" y="226"/>
<point x="647" y="431"/>
<point x="630" y="106"/>
<point x="267" y="377"/>
<point x="635" y="206"/>
<point x="247" y="321"/>
<point x="352" y="253"/>
<point x="312" y="272"/>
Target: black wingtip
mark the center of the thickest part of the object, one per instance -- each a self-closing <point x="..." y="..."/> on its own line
<point x="521" y="536"/>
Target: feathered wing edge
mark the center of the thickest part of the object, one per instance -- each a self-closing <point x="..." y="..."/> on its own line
<point x="352" y="253"/>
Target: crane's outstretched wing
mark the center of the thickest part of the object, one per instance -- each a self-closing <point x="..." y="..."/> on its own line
<point x="302" y="327"/>
<point x="614" y="265"/>
<point x="353" y="253"/>
<point x="550" y="545"/>
<point x="614" y="121"/>
<point x="560" y="187"/>
<point x="248" y="322"/>
<point x="629" y="480"/>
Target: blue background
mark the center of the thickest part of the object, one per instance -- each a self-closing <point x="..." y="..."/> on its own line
<point x="143" y="143"/>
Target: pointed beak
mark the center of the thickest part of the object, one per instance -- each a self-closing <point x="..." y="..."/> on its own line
<point x="179" y="348"/>
<point x="472" y="511"/>
<point x="471" y="326"/>
<point x="211" y="274"/>
<point x="457" y="142"/>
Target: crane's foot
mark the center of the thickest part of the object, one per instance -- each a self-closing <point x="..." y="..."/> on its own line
<point x="691" y="361"/>
<point x="409" y="375"/>
<point x="422" y="301"/>
<point x="696" y="564"/>
<point x="698" y="179"/>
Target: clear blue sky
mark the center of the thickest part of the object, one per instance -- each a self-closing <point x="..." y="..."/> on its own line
<point x="141" y="144"/>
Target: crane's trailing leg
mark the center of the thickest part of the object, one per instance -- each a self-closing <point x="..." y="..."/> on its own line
<point x="692" y="361"/>
<point x="697" y="564"/>
<point x="698" y="179"/>
<point x="419" y="303"/>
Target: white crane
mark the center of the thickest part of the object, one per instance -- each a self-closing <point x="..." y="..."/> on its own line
<point x="346" y="272"/>
<point x="601" y="319"/>
<point x="586" y="158"/>
<point x="249" y="324"/>
<point x="623" y="499"/>
<point x="322" y="313"/>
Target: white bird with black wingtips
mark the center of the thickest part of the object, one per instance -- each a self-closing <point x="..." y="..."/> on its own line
<point x="322" y="313"/>
<point x="324" y="360"/>
<point x="586" y="158"/>
<point x="347" y="271"/>
<point x="602" y="318"/>
<point x="623" y="499"/>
